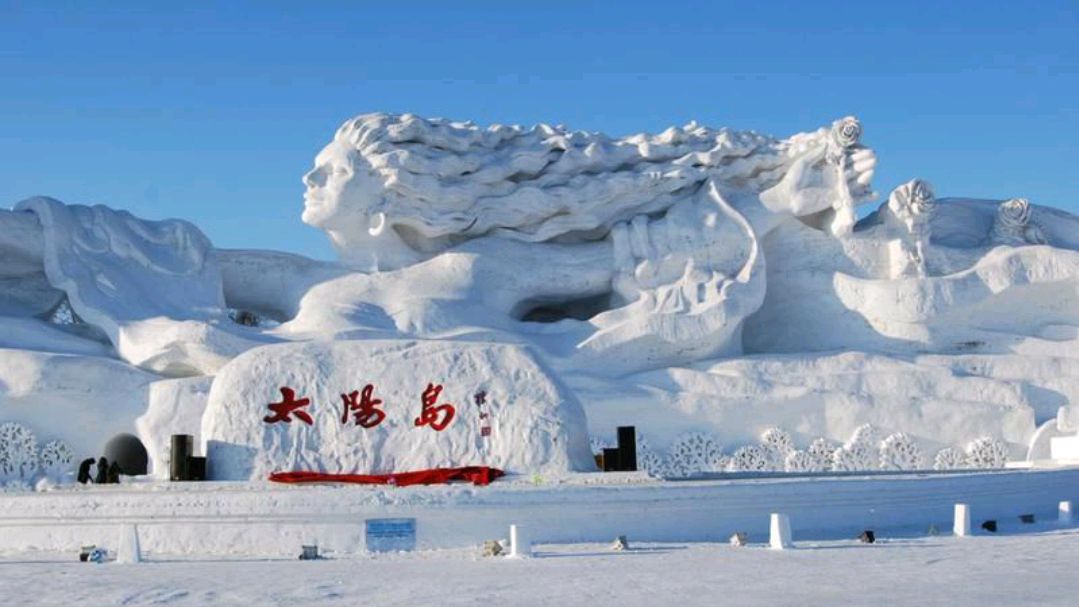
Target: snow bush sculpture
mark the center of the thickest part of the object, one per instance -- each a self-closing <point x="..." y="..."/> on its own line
<point x="56" y="459"/>
<point x="653" y="463"/>
<point x="751" y="458"/>
<point x="860" y="452"/>
<point x="800" y="461"/>
<point x="949" y="459"/>
<point x="867" y="435"/>
<point x="778" y="443"/>
<point x="986" y="452"/>
<point x="1013" y="225"/>
<point x="648" y="458"/>
<point x="900" y="452"/>
<point x="694" y="452"/>
<point x="18" y="453"/>
<point x="852" y="458"/>
<point x="820" y="450"/>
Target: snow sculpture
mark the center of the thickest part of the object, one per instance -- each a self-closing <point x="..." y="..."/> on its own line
<point x="18" y="453"/>
<point x="900" y="452"/>
<point x="695" y="452"/>
<point x="778" y="444"/>
<point x="949" y="459"/>
<point x="56" y="460"/>
<point x="800" y="461"/>
<point x="666" y="227"/>
<point x="704" y="280"/>
<point x="153" y="287"/>
<point x="820" y="451"/>
<point x="393" y="189"/>
<point x="1012" y="225"/>
<point x="858" y="453"/>
<point x="751" y="458"/>
<point x="986" y="452"/>
<point x="910" y="212"/>
<point x="389" y="406"/>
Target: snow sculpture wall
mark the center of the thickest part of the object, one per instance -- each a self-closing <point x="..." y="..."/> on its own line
<point x="375" y="407"/>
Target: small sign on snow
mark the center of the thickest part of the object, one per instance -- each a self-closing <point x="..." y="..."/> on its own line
<point x="390" y="534"/>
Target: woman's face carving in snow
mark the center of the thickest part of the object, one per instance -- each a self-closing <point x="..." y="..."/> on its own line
<point x="341" y="196"/>
<point x="335" y="193"/>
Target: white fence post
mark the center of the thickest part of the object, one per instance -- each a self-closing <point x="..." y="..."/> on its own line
<point x="520" y="542"/>
<point x="780" y="534"/>
<point x="961" y="526"/>
<point x="128" y="551"/>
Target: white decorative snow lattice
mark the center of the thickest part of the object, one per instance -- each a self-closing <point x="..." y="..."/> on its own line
<point x="899" y="452"/>
<point x="752" y="458"/>
<point x="986" y="452"/>
<point x="799" y="461"/>
<point x="820" y="450"/>
<point x="777" y="442"/>
<point x="949" y="459"/>
<point x="694" y="452"/>
<point x="56" y="459"/>
<point x="18" y="453"/>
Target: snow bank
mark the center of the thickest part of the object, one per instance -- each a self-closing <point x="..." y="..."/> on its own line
<point x="81" y="400"/>
<point x="507" y="412"/>
<point x="175" y="406"/>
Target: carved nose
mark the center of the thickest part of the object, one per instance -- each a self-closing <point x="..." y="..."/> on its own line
<point x="314" y="178"/>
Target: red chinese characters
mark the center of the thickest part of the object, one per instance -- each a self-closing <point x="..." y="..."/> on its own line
<point x="289" y="405"/>
<point x="365" y="412"/>
<point x="436" y="416"/>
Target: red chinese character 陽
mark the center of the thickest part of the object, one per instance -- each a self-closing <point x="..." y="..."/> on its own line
<point x="438" y="417"/>
<point x="366" y="411"/>
<point x="288" y="406"/>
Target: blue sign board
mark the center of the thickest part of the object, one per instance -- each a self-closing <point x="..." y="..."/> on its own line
<point x="390" y="534"/>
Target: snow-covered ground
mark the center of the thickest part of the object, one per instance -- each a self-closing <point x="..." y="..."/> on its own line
<point x="1032" y="565"/>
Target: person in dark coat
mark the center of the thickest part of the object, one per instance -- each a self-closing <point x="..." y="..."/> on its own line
<point x="102" y="471"/>
<point x="114" y="473"/>
<point x="84" y="471"/>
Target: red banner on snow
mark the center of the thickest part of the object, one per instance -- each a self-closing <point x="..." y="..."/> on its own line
<point x="477" y="475"/>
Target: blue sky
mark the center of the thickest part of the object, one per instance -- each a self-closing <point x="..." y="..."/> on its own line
<point x="213" y="114"/>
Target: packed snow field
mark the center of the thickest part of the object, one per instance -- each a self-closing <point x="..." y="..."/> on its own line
<point x="1035" y="567"/>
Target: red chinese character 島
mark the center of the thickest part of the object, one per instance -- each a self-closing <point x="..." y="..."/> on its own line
<point x="438" y="417"/>
<point x="288" y="406"/>
<point x="365" y="411"/>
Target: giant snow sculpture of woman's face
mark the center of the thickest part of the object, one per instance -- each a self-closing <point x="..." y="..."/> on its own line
<point x="342" y="197"/>
<point x="335" y="195"/>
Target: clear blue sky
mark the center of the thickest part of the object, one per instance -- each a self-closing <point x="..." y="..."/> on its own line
<point x="214" y="114"/>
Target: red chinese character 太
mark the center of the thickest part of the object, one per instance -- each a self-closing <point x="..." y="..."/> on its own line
<point x="289" y="406"/>
<point x="366" y="411"/>
<point x="438" y="417"/>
